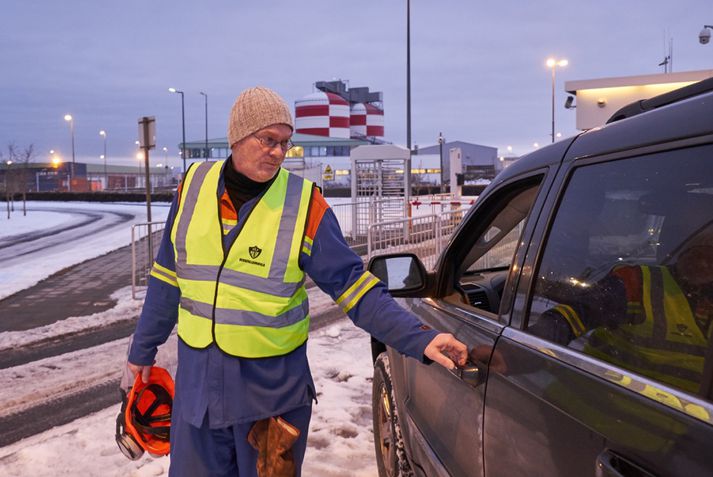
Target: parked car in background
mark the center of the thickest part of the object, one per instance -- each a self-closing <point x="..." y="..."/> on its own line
<point x="582" y="283"/>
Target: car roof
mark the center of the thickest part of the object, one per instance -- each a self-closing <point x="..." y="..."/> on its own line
<point x="547" y="156"/>
<point x="686" y="118"/>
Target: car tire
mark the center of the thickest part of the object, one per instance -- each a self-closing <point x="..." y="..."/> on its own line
<point x="391" y="457"/>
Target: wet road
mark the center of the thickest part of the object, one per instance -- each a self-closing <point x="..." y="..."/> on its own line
<point x="81" y="223"/>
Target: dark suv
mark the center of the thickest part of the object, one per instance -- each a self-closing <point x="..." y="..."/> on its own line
<point x="582" y="283"/>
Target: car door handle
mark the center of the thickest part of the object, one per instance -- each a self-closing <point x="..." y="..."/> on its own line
<point x="470" y="374"/>
<point x="610" y="464"/>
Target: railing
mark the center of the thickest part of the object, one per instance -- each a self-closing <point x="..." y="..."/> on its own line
<point x="356" y="217"/>
<point x="426" y="233"/>
<point x="426" y="236"/>
<point x="145" y="240"/>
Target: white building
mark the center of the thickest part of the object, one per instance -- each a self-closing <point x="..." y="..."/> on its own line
<point x="598" y="99"/>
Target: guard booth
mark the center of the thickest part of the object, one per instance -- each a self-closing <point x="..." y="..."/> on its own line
<point x="380" y="191"/>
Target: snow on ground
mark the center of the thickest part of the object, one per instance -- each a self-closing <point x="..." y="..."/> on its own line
<point x="84" y="243"/>
<point x="340" y="441"/>
<point x="19" y="224"/>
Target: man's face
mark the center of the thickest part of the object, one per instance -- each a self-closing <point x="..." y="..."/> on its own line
<point x="255" y="160"/>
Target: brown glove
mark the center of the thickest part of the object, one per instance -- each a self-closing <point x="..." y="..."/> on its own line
<point x="273" y="439"/>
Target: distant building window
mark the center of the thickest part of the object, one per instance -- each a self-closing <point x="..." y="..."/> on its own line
<point x="338" y="151"/>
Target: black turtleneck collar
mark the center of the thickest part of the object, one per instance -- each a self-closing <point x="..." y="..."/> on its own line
<point x="240" y="187"/>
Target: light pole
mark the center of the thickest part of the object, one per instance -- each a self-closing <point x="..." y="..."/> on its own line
<point x="165" y="163"/>
<point x="206" y="124"/>
<point x="408" y="74"/>
<point x="7" y="188"/>
<point x="553" y="64"/>
<point x="183" y="126"/>
<point x="441" y="140"/>
<point x="407" y="193"/>
<point x="102" y="133"/>
<point x="70" y="120"/>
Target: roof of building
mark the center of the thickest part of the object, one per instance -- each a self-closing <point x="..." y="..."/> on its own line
<point x="449" y="144"/>
<point x="640" y="80"/>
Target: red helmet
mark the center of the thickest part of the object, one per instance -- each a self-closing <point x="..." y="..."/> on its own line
<point x="144" y="422"/>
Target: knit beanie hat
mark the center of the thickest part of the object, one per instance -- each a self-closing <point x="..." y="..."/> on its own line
<point x="257" y="108"/>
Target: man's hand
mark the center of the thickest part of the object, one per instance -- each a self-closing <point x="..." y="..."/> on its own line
<point x="145" y="371"/>
<point x="447" y="351"/>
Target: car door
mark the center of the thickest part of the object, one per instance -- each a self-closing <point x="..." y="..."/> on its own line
<point x="444" y="409"/>
<point x="584" y="392"/>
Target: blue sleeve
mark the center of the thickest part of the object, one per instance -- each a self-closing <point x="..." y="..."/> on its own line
<point x="160" y="311"/>
<point x="339" y="272"/>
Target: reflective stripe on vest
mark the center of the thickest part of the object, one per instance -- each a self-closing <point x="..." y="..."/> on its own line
<point x="667" y="345"/>
<point x="250" y="298"/>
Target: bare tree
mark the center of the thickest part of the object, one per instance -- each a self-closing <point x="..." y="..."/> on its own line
<point x="25" y="157"/>
<point x="17" y="174"/>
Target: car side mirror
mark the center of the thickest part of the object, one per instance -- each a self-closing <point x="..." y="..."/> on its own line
<point x="401" y="273"/>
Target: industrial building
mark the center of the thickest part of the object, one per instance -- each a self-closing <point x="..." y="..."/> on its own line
<point x="335" y="119"/>
<point x="49" y="177"/>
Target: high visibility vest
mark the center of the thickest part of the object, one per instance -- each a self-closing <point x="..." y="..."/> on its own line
<point x="247" y="297"/>
<point x="661" y="338"/>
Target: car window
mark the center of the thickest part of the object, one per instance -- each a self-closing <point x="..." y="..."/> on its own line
<point x="501" y="249"/>
<point x="483" y="273"/>
<point x="626" y="275"/>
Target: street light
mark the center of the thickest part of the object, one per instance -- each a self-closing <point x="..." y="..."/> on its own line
<point x="206" y="124"/>
<point x="408" y="100"/>
<point x="165" y="163"/>
<point x="102" y="133"/>
<point x="553" y="64"/>
<point x="56" y="162"/>
<point x="70" y="120"/>
<point x="441" y="140"/>
<point x="183" y="126"/>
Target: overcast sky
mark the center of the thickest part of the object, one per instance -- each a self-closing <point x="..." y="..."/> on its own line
<point x="478" y="71"/>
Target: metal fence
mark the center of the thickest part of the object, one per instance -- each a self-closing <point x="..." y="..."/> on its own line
<point x="145" y="240"/>
<point x="426" y="236"/>
<point x="355" y="217"/>
<point x="425" y="233"/>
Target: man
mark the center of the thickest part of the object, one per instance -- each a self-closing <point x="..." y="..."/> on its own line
<point x="657" y="320"/>
<point x="240" y="236"/>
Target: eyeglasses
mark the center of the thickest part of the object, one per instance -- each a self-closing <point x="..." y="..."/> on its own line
<point x="270" y="143"/>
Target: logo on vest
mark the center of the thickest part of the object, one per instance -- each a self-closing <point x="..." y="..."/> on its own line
<point x="682" y="330"/>
<point x="254" y="252"/>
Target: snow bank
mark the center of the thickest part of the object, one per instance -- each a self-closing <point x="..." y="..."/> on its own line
<point x="340" y="442"/>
